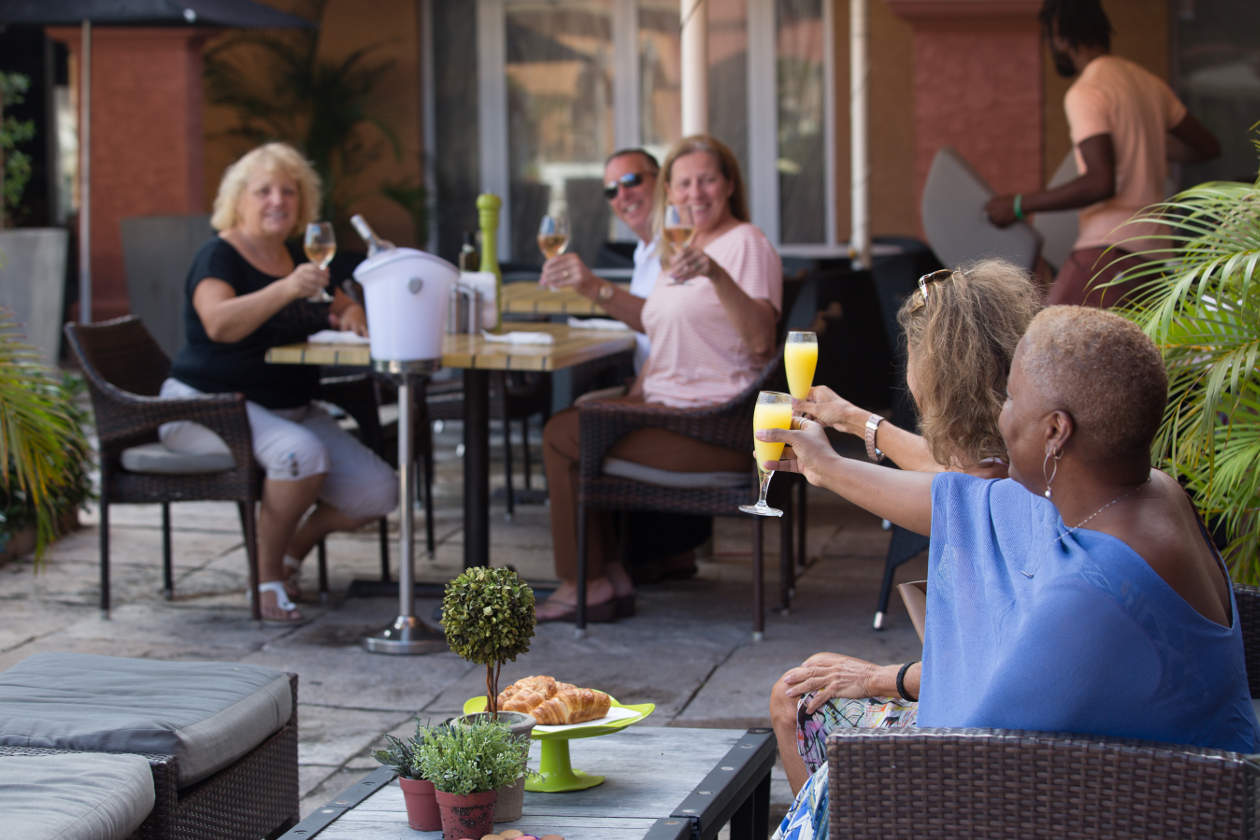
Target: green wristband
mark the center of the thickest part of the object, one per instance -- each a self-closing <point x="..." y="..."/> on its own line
<point x="1019" y="206"/>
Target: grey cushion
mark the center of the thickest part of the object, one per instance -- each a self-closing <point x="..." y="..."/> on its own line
<point x="954" y="221"/>
<point x="670" y="478"/>
<point x="206" y="714"/>
<point x="156" y="458"/>
<point x="74" y="796"/>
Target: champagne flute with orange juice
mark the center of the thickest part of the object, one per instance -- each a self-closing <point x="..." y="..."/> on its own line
<point x="800" y="357"/>
<point x="772" y="411"/>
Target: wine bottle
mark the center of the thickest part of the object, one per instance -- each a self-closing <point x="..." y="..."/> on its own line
<point x="469" y="260"/>
<point x="375" y="244"/>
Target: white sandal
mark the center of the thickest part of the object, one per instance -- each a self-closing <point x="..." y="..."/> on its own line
<point x="282" y="602"/>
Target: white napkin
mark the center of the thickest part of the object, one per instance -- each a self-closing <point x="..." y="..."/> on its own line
<point x="597" y="324"/>
<point x="336" y="337"/>
<point x="520" y="337"/>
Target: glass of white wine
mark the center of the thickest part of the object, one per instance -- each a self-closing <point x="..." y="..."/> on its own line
<point x="678" y="230"/>
<point x="553" y="234"/>
<point x="772" y="411"/>
<point x="320" y="244"/>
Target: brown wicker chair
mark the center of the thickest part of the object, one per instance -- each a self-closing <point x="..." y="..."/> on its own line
<point x="602" y="424"/>
<point x="125" y="368"/>
<point x="1006" y="783"/>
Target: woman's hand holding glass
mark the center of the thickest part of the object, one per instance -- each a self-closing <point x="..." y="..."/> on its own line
<point x="831" y="409"/>
<point x="308" y="282"/>
<point x="567" y="271"/>
<point x="809" y="449"/>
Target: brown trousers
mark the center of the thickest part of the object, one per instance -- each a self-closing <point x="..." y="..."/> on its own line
<point x="1086" y="270"/>
<point x="651" y="447"/>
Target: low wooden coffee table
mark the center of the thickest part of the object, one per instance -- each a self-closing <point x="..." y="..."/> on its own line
<point x="661" y="783"/>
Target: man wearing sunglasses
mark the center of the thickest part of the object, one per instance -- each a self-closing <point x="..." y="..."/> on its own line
<point x="629" y="186"/>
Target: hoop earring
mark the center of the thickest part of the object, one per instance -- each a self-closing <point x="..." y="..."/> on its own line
<point x="1050" y="453"/>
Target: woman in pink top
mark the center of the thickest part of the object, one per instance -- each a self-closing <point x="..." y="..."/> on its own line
<point x="711" y="325"/>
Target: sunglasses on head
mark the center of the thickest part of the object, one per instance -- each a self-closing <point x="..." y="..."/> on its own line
<point x="938" y="276"/>
<point x="630" y="179"/>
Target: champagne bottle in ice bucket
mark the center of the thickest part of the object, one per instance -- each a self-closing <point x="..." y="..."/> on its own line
<point x="375" y="244"/>
<point x="488" y="205"/>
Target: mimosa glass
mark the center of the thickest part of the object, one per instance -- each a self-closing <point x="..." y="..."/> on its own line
<point x="800" y="357"/>
<point x="773" y="411"/>
<point x="320" y="244"/>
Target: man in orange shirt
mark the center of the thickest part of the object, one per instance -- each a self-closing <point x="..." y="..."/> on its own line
<point x="1120" y="117"/>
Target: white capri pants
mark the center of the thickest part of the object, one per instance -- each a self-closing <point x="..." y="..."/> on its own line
<point x="296" y="443"/>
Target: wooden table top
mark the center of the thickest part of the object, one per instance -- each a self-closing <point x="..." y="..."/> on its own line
<point x="572" y="346"/>
<point x="533" y="299"/>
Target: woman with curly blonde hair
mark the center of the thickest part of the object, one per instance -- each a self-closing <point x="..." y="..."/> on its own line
<point x="961" y="329"/>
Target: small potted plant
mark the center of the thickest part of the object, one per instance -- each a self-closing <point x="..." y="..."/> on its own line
<point x="418" y="792"/>
<point x="488" y="618"/>
<point x="467" y="765"/>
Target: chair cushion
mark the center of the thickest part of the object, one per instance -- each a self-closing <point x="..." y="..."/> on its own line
<point x="156" y="458"/>
<point x="206" y="714"/>
<point x="670" y="478"/>
<point x="74" y="796"/>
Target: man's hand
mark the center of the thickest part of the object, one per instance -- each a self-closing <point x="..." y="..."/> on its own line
<point x="1001" y="210"/>
<point x="567" y="271"/>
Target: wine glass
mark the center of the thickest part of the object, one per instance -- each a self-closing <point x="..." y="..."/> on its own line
<point x="800" y="357"/>
<point x="553" y="234"/>
<point x="320" y="244"/>
<point x="678" y="230"/>
<point x="772" y="411"/>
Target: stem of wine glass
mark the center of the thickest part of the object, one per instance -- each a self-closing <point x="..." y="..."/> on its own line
<point x="766" y="475"/>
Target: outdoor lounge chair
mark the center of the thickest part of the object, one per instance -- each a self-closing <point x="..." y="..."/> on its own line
<point x="1004" y="783"/>
<point x="220" y="737"/>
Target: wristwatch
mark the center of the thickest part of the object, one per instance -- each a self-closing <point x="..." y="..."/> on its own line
<point x="605" y="293"/>
<point x="872" y="451"/>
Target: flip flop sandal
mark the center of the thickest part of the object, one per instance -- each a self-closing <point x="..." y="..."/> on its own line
<point x="282" y="603"/>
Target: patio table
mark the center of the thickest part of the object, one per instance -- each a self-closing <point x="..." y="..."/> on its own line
<point x="662" y="783"/>
<point x="476" y="356"/>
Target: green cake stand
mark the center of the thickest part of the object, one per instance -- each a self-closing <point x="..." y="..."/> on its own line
<point x="556" y="773"/>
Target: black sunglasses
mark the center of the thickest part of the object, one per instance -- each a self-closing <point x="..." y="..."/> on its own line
<point x="630" y="179"/>
<point x="938" y="276"/>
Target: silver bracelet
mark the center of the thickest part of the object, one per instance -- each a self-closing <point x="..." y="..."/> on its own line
<point x="872" y="451"/>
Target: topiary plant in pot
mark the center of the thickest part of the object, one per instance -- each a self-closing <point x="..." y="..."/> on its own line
<point x="488" y="618"/>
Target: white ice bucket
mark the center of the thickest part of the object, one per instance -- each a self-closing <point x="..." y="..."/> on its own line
<point x="406" y="293"/>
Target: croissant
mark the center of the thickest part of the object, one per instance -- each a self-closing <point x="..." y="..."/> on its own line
<point x="550" y="702"/>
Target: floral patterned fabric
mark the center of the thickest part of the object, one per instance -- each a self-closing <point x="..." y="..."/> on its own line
<point x="807" y="819"/>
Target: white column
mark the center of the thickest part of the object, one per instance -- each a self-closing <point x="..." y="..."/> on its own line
<point x="492" y="115"/>
<point x="694" y="21"/>
<point x="763" y="128"/>
<point x="859" y="164"/>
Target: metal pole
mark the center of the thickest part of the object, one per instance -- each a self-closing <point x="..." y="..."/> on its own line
<point x="85" y="176"/>
<point x="859" y="163"/>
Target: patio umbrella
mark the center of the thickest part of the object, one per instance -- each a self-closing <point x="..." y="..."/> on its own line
<point x="84" y="13"/>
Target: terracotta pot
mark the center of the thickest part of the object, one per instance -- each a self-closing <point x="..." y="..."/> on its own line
<point x="466" y="814"/>
<point x="422" y="809"/>
<point x="511" y="800"/>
